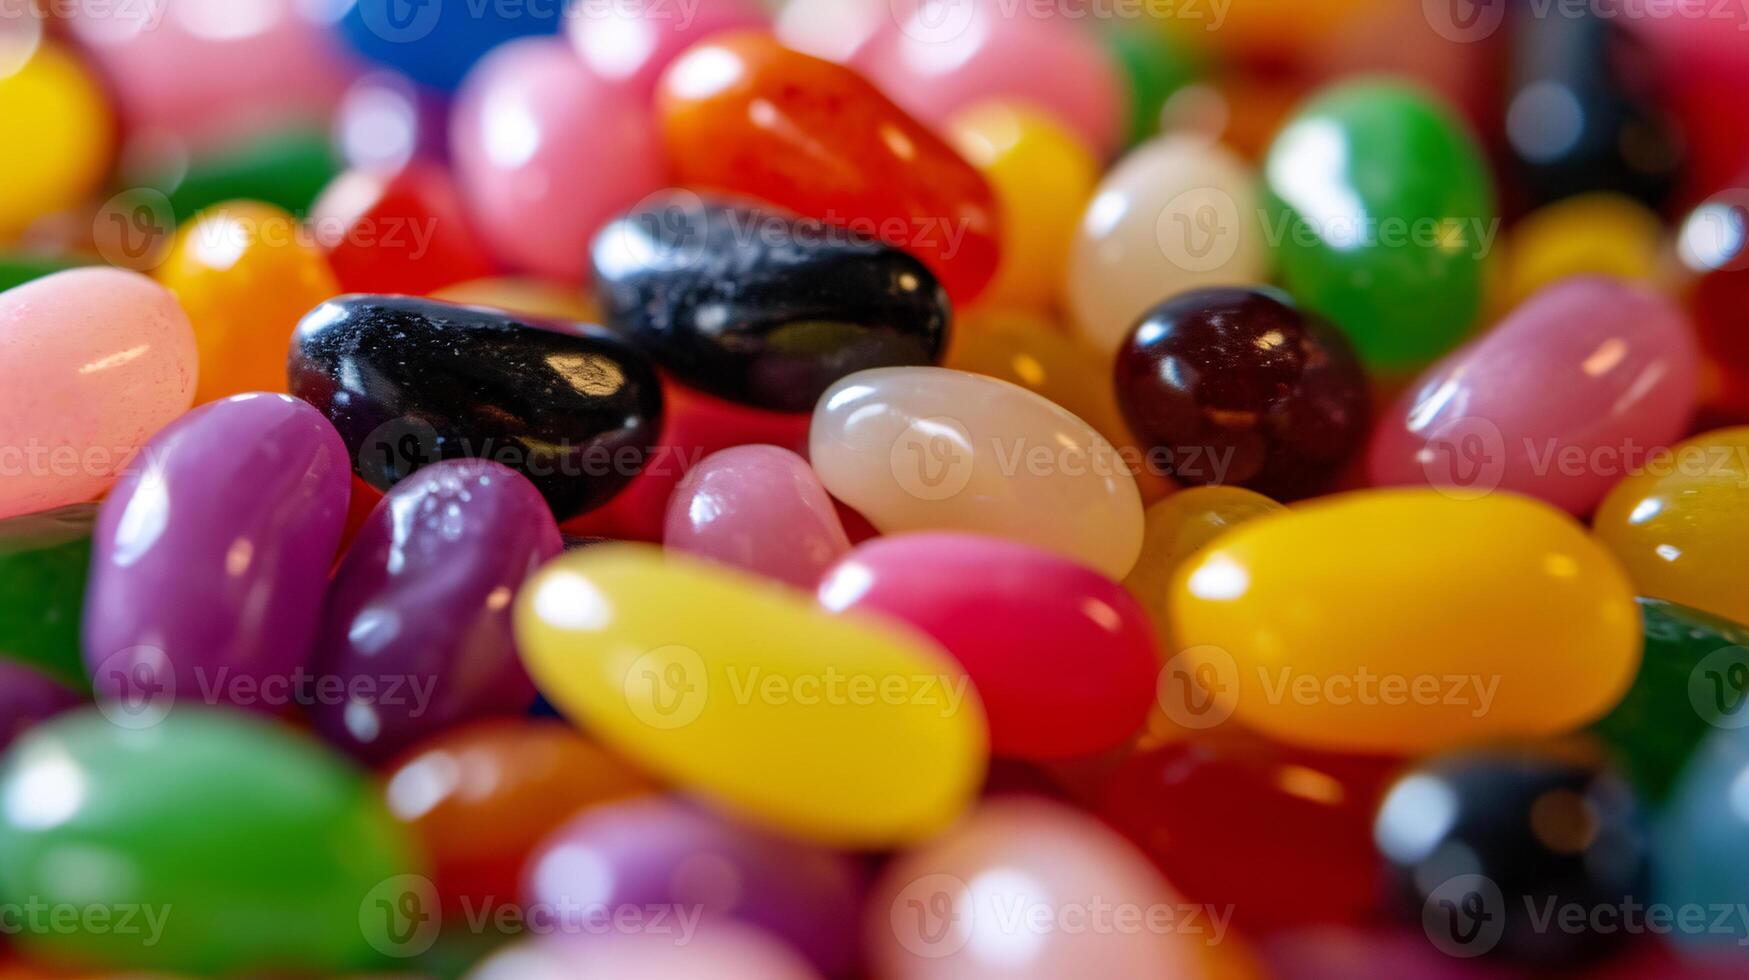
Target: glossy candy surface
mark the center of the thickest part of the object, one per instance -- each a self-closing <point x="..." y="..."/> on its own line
<point x="630" y="43"/>
<point x="44" y="561"/>
<point x="760" y="509"/>
<point x="1062" y="657"/>
<point x="1173" y="530"/>
<point x="437" y="44"/>
<point x="55" y="132"/>
<point x="406" y="232"/>
<point x="240" y="503"/>
<point x="92" y="362"/>
<point x="741" y="113"/>
<point x="245" y="273"/>
<point x="1698" y="857"/>
<point x="1336" y="669"/>
<point x="254" y="849"/>
<point x="411" y="381"/>
<point x="1384" y="213"/>
<point x="881" y="738"/>
<point x="417" y="620"/>
<point x="1713" y="244"/>
<point x="28" y="696"/>
<point x="752" y="304"/>
<point x="915" y="449"/>
<point x="1558" y="401"/>
<point x="1239" y="386"/>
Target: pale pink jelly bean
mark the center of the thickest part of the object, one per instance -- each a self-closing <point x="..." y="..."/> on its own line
<point x="92" y="363"/>
<point x="757" y="508"/>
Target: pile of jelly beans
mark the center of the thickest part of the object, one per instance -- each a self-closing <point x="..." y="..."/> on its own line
<point x="906" y="489"/>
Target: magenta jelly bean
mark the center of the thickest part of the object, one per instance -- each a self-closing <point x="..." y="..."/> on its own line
<point x="758" y="508"/>
<point x="1560" y="401"/>
<point x="211" y="555"/>
<point x="416" y="631"/>
<point x="1063" y="657"/>
<point x="27" y="696"/>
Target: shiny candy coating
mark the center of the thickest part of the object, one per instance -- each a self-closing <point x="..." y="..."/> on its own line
<point x="1175" y="528"/>
<point x="1383" y="212"/>
<point x="55" y="133"/>
<point x="1238" y="386"/>
<point x="1713" y="244"/>
<point x="437" y="44"/>
<point x="760" y="509"/>
<point x="750" y="675"/>
<point x="44" y="561"/>
<point x="1557" y="649"/>
<point x="255" y="848"/>
<point x="29" y="696"/>
<point x="741" y="113"/>
<point x="422" y="599"/>
<point x="1698" y="857"/>
<point x="240" y="503"/>
<point x="410" y="381"/>
<point x="1558" y="401"/>
<point x="92" y="362"/>
<point x="405" y="232"/>
<point x="1063" y="658"/>
<point x="245" y="273"/>
<point x="630" y="43"/>
<point x="754" y="305"/>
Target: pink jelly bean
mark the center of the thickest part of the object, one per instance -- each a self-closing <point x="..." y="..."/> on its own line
<point x="650" y="952"/>
<point x="758" y="508"/>
<point x="938" y="58"/>
<point x="92" y="363"/>
<point x="547" y="153"/>
<point x="1562" y="399"/>
<point x="1063" y="657"/>
<point x="630" y="42"/>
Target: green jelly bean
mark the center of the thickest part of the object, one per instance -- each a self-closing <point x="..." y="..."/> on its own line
<point x="1155" y="65"/>
<point x="233" y="845"/>
<point x="287" y="169"/>
<point x="43" y="563"/>
<point x="16" y="269"/>
<point x="1381" y="216"/>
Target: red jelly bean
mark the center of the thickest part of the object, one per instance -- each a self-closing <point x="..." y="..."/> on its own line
<point x="402" y="233"/>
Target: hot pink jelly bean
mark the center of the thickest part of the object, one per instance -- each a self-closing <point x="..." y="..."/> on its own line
<point x="1063" y="657"/>
<point x="758" y="508"/>
<point x="1560" y="401"/>
<point x="92" y="363"/>
<point x="630" y="42"/>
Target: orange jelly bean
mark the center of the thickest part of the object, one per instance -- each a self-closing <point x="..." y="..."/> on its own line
<point x="743" y="113"/>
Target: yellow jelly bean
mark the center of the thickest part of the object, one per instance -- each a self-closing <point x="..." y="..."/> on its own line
<point x="1593" y="234"/>
<point x="842" y="730"/>
<point x="246" y="273"/>
<point x="526" y="297"/>
<point x="1175" y="528"/>
<point x="1046" y="361"/>
<point x="1043" y="176"/>
<point x="56" y="134"/>
<point x="1681" y="524"/>
<point x="1406" y="621"/>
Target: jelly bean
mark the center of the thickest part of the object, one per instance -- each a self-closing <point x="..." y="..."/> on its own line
<point x="1063" y="657"/>
<point x="1698" y="857"/>
<point x="44" y="561"/>
<point x="722" y="953"/>
<point x="947" y="909"/>
<point x="285" y="169"/>
<point x="1699" y="63"/>
<point x="529" y="125"/>
<point x="741" y="113"/>
<point x="255" y="849"/>
<point x="1265" y="29"/>
<point x="1581" y="114"/>
<point x="402" y="233"/>
<point x="411" y="381"/>
<point x="655" y="853"/>
<point x="422" y="597"/>
<point x="436" y="46"/>
<point x="1281" y="837"/>
<point x="937" y="62"/>
<point x="917" y="449"/>
<point x="1175" y="528"/>
<point x="1554" y="402"/>
<point x="1156" y="65"/>
<point x="1322" y="952"/>
<point x="92" y="362"/>
<point x="56" y="138"/>
<point x="245" y="273"/>
<point x="809" y="303"/>
<point x="760" y="509"/>
<point x="1043" y="176"/>
<point x="1177" y="213"/>
<point x="385" y="122"/>
<point x="1713" y="244"/>
<point x="481" y="797"/>
<point x="240" y="503"/>
<point x="1382" y="213"/>
<point x="1240" y="386"/>
<point x="16" y="269"/>
<point x="1483" y="845"/>
<point x="881" y="740"/>
<point x="630" y="44"/>
<point x="1678" y="523"/>
<point x="29" y="696"/>
<point x="1558" y="646"/>
<point x="539" y="298"/>
<point x="1592" y="234"/>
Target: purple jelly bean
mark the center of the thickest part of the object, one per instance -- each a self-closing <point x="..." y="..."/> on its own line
<point x="416" y="632"/>
<point x="658" y="853"/>
<point x="27" y="696"/>
<point x="211" y="556"/>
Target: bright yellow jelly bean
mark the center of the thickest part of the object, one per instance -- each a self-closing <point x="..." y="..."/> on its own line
<point x="56" y="134"/>
<point x="842" y="730"/>
<point x="1405" y="621"/>
<point x="1681" y="524"/>
<point x="1043" y="176"/>
<point x="1175" y="528"/>
<point x="246" y="273"/>
<point x="527" y="297"/>
<point x="1592" y="234"/>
